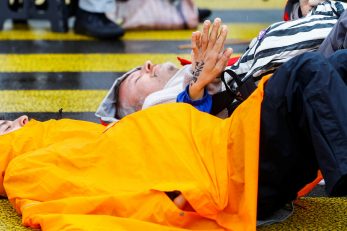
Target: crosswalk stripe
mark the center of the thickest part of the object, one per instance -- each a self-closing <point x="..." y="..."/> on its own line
<point x="237" y="4"/>
<point x="43" y="116"/>
<point x="81" y="62"/>
<point x="50" y="100"/>
<point x="237" y="31"/>
<point x="57" y="80"/>
<point x="105" y="47"/>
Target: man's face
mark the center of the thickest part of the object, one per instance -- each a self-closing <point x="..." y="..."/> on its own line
<point x="150" y="78"/>
<point x="7" y="126"/>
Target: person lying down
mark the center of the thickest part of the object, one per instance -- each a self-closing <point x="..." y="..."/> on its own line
<point x="172" y="167"/>
<point x="221" y="174"/>
<point x="275" y="45"/>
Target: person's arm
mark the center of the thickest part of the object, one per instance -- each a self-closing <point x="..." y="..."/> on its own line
<point x="203" y="104"/>
<point x="209" y="59"/>
<point x="208" y="55"/>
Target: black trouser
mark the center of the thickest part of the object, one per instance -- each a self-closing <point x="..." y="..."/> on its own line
<point x="303" y="129"/>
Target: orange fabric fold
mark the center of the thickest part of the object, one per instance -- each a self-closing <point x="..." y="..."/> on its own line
<point x="309" y="187"/>
<point x="77" y="175"/>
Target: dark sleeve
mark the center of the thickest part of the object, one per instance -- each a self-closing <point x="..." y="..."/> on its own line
<point x="337" y="38"/>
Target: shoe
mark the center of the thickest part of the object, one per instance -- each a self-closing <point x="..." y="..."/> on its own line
<point x="203" y="14"/>
<point x="96" y="25"/>
<point x="322" y="182"/>
<point x="15" y="5"/>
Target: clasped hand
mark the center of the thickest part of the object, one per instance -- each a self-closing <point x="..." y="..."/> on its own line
<point x="209" y="58"/>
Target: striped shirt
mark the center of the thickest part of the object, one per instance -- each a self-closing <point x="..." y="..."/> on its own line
<point x="284" y="40"/>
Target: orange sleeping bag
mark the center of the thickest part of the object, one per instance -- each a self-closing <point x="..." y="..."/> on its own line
<point x="74" y="175"/>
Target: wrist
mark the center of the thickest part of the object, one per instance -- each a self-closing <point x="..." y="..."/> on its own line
<point x="196" y="91"/>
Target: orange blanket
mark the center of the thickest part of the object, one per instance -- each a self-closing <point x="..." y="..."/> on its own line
<point x="73" y="175"/>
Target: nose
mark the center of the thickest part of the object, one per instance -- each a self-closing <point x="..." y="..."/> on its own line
<point x="23" y="120"/>
<point x="148" y="66"/>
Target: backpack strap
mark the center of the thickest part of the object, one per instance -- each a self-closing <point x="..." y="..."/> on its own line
<point x="236" y="92"/>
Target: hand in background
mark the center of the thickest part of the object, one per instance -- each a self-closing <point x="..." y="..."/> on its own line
<point x="307" y="5"/>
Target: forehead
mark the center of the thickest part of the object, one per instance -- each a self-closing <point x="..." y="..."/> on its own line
<point x="125" y="86"/>
<point x="131" y="74"/>
<point x="130" y="79"/>
<point x="134" y="74"/>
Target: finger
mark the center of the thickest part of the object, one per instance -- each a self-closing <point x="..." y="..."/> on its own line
<point x="220" y="55"/>
<point x="193" y="58"/>
<point x="223" y="61"/>
<point x="180" y="201"/>
<point x="219" y="45"/>
<point x="198" y="39"/>
<point x="195" y="48"/>
<point x="214" y="33"/>
<point x="204" y="36"/>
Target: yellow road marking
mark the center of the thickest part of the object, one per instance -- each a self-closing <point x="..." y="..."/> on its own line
<point x="240" y="4"/>
<point x="237" y="31"/>
<point x="81" y="62"/>
<point x="39" y="34"/>
<point x="50" y="100"/>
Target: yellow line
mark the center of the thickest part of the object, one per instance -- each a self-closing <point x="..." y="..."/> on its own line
<point x="38" y="34"/>
<point x="238" y="31"/>
<point x="240" y="4"/>
<point x="80" y="62"/>
<point x="50" y="100"/>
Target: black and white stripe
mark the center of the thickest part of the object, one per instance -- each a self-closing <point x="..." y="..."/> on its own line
<point x="284" y="40"/>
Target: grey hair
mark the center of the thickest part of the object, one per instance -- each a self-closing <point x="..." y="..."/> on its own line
<point x="123" y="111"/>
<point x="125" y="108"/>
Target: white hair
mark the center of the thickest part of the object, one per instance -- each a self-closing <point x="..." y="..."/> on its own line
<point x="124" y="108"/>
<point x="123" y="111"/>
